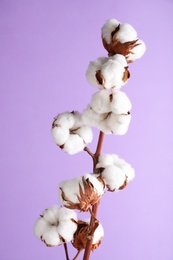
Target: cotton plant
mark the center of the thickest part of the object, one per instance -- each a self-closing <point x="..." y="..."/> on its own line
<point x="109" y="111"/>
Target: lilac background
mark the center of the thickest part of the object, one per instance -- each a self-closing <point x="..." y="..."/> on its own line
<point x="45" y="48"/>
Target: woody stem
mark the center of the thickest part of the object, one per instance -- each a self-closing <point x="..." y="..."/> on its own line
<point x="93" y="222"/>
<point x="66" y="251"/>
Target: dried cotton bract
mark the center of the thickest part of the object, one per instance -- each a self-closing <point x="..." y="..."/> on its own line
<point x="81" y="192"/>
<point x="108" y="73"/>
<point x="82" y="232"/>
<point x="122" y="38"/>
<point x="56" y="226"/>
<point x="70" y="133"/>
<point x="115" y="172"/>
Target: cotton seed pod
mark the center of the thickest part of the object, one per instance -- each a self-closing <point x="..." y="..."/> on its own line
<point x="101" y="102"/>
<point x="112" y="74"/>
<point x="83" y="233"/>
<point x="114" y="124"/>
<point x="121" y="38"/>
<point x="137" y="52"/>
<point x="70" y="132"/>
<point x="108" y="73"/>
<point x="118" y="124"/>
<point x="116" y="172"/>
<point x="114" y="177"/>
<point x="93" y="67"/>
<point x="56" y="226"/>
<point x="120" y="58"/>
<point x="81" y="192"/>
<point x="120" y="103"/>
<point x="108" y="28"/>
<point x="91" y="118"/>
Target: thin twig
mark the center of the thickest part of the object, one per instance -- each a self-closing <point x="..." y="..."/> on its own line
<point x="66" y="251"/>
<point x="89" y="151"/>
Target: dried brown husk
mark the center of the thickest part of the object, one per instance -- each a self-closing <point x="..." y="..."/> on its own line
<point x="82" y="235"/>
<point x="88" y="196"/>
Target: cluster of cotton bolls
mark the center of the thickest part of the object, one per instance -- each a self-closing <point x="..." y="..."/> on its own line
<point x="59" y="225"/>
<point x="84" y="191"/>
<point x="109" y="108"/>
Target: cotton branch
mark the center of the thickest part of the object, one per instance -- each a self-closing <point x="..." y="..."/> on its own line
<point x="93" y="221"/>
<point x="66" y="251"/>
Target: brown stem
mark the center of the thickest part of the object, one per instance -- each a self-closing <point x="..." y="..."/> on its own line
<point x="89" y="152"/>
<point x="66" y="251"/>
<point x="93" y="221"/>
<point x="98" y="149"/>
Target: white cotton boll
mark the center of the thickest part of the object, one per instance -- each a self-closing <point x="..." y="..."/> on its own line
<point x="40" y="227"/>
<point x="67" y="214"/>
<point x="126" y="167"/>
<point x="105" y="160"/>
<point x="74" y="144"/>
<point x="117" y="160"/>
<point x="120" y="58"/>
<point x="78" y="120"/>
<point x="104" y="127"/>
<point x="126" y="33"/>
<point x="124" y="119"/>
<point x="90" y="117"/>
<point x="60" y="134"/>
<point x="65" y="119"/>
<point x="98" y="185"/>
<point x="93" y="67"/>
<point x="85" y="133"/>
<point x="98" y="234"/>
<point x="71" y="190"/>
<point x="66" y="229"/>
<point x="51" y="214"/>
<point x="118" y="123"/>
<point x="100" y="102"/>
<point x="120" y="103"/>
<point x="108" y="28"/>
<point x="137" y="52"/>
<point x="114" y="177"/>
<point x="112" y="72"/>
<point x="51" y="237"/>
<point x="128" y="170"/>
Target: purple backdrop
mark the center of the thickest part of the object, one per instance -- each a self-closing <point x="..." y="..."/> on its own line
<point x="45" y="48"/>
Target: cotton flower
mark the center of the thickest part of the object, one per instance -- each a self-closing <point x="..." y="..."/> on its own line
<point x="115" y="172"/>
<point x="108" y="73"/>
<point x="56" y="226"/>
<point x="81" y="192"/>
<point x="70" y="133"/>
<point x="82" y="234"/>
<point x="122" y="38"/>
